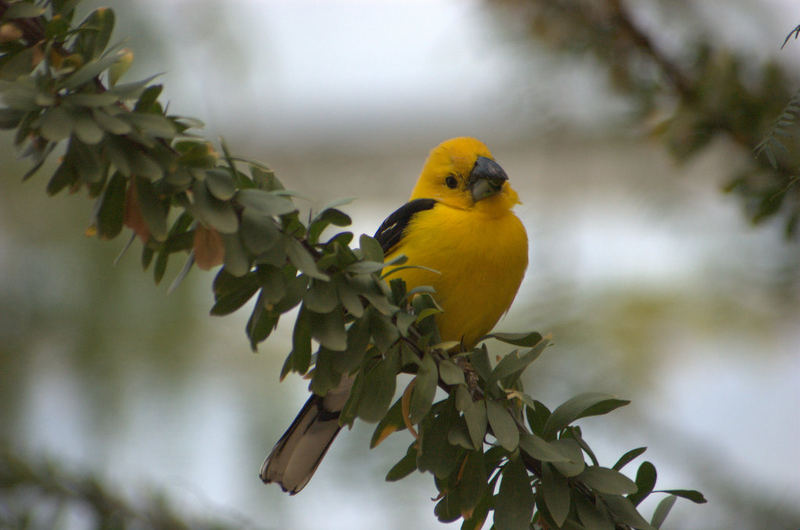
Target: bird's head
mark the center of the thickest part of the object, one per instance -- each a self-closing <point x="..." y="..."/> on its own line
<point x="462" y="173"/>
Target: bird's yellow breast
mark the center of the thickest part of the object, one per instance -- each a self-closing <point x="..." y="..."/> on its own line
<point x="481" y="254"/>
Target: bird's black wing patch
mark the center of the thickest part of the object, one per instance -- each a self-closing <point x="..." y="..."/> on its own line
<point x="391" y="231"/>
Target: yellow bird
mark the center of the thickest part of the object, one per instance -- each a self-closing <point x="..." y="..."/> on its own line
<point x="459" y="222"/>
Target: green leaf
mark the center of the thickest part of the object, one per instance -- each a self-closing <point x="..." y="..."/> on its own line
<point x="150" y="124"/>
<point x="275" y="255"/>
<point x="569" y="448"/>
<point x="607" y="480"/>
<point x="537" y="416"/>
<point x="260" y="324"/>
<point x="160" y="267"/>
<point x="512" y="365"/>
<point x="477" y="422"/>
<point x="391" y="422"/>
<point x="450" y="373"/>
<point x="474" y="415"/>
<point x="625" y="512"/>
<point x="471" y="487"/>
<point x="514" y="502"/>
<point x="364" y="267"/>
<point x="541" y="449"/>
<point x="379" y="385"/>
<point x="479" y="358"/>
<point x="503" y="426"/>
<point x="384" y="333"/>
<point x="479" y="514"/>
<point x="265" y="202"/>
<point x="404" y="322"/>
<point x="645" y="482"/>
<point x="328" y="329"/>
<point x="110" y="123"/>
<point x="692" y="495"/>
<point x="91" y="169"/>
<point x="301" y="344"/>
<point x="321" y="297"/>
<point x="95" y="32"/>
<point x="627" y="457"/>
<point x="213" y="212"/>
<point x="517" y="339"/>
<point x="237" y="262"/>
<point x="357" y="340"/>
<point x="459" y="435"/>
<point x="220" y="184"/>
<point x="592" y="517"/>
<point x="259" y="231"/>
<point x="302" y="259"/>
<point x="447" y="509"/>
<point x="348" y="414"/>
<point x="120" y="68"/>
<point x="153" y="210"/>
<point x="294" y="289"/>
<point x="406" y="465"/>
<point x="436" y="454"/>
<point x="117" y="149"/>
<point x="424" y="389"/>
<point x="274" y="284"/>
<point x="143" y="165"/>
<point x="326" y="377"/>
<point x="348" y="297"/>
<point x="370" y="288"/>
<point x="371" y="249"/>
<point x="265" y="178"/>
<point x="147" y="256"/>
<point x="57" y="124"/>
<point x="64" y="176"/>
<point x="110" y="213"/>
<point x="556" y="492"/>
<point x="39" y="157"/>
<point x="329" y="216"/>
<point x="581" y="406"/>
<point x="235" y="298"/>
<point x="575" y="434"/>
<point x="148" y="100"/>
<point x="91" y="70"/>
<point x="662" y="510"/>
<point x="131" y="90"/>
<point x="463" y="399"/>
<point x="102" y="99"/>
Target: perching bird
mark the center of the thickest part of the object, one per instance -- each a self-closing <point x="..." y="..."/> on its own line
<point x="459" y="222"/>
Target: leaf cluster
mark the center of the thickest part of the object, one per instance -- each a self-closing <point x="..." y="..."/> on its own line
<point x="492" y="447"/>
<point x="489" y="446"/>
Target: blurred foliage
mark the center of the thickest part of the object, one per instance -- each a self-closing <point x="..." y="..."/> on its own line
<point x="40" y="494"/>
<point x="691" y="98"/>
<point x="490" y="446"/>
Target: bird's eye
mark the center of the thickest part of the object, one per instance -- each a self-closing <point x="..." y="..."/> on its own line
<point x="451" y="182"/>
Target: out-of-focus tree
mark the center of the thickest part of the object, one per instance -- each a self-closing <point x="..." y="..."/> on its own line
<point x="690" y="95"/>
<point x="41" y="494"/>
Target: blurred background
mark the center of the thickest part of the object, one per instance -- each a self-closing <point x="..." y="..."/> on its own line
<point x="654" y="283"/>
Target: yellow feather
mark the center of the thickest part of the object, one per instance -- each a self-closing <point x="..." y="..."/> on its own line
<point x="479" y="248"/>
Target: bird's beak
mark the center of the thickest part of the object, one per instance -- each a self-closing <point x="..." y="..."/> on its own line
<point x="486" y="178"/>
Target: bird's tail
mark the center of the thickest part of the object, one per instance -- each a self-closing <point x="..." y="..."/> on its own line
<point x="300" y="450"/>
